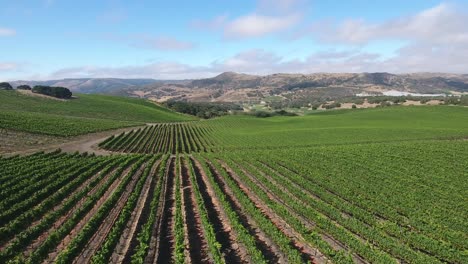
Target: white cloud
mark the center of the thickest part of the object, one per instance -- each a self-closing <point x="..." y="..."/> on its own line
<point x="437" y="41"/>
<point x="440" y="24"/>
<point x="158" y="70"/>
<point x="255" y="25"/>
<point x="270" y="16"/>
<point x="6" y="32"/>
<point x="415" y="58"/>
<point x="256" y="61"/>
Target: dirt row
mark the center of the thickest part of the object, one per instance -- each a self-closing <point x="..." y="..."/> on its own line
<point x="128" y="237"/>
<point x="78" y="227"/>
<point x="100" y="235"/>
<point x="165" y="244"/>
<point x="154" y="243"/>
<point x="56" y="207"/>
<point x="337" y="244"/>
<point x="269" y="249"/>
<point x="334" y="243"/>
<point x="41" y="238"/>
<point x="196" y="241"/>
<point x="232" y="251"/>
<point x="308" y="251"/>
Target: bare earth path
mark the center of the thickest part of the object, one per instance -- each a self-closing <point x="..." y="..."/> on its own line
<point x="84" y="143"/>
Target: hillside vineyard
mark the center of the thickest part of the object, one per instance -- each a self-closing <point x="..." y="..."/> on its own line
<point x="338" y="187"/>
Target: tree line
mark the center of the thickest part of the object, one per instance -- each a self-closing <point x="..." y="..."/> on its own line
<point x="203" y="110"/>
<point x="54" y="91"/>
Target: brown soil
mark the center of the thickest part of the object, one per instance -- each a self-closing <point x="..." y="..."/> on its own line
<point x="430" y="102"/>
<point x="128" y="236"/>
<point x="33" y="172"/>
<point x="197" y="244"/>
<point x="41" y="238"/>
<point x="166" y="245"/>
<point x="334" y="243"/>
<point x="155" y="239"/>
<point x="337" y="244"/>
<point x="185" y="224"/>
<point x="269" y="249"/>
<point x="84" y="143"/>
<point x="96" y="240"/>
<point x="232" y="251"/>
<point x="64" y="243"/>
<point x="15" y="142"/>
<point x="298" y="241"/>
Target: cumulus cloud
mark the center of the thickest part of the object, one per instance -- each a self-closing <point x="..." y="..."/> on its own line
<point x="261" y="62"/>
<point x="443" y="23"/>
<point x="270" y="16"/>
<point x="437" y="41"/>
<point x="6" y="32"/>
<point x="256" y="61"/>
<point x="255" y="25"/>
<point x="157" y="70"/>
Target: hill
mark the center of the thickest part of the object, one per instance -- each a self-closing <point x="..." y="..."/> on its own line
<point x="384" y="185"/>
<point x="91" y="85"/>
<point x="234" y="87"/>
<point x="86" y="113"/>
<point x="238" y="87"/>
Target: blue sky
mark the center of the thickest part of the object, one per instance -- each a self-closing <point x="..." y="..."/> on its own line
<point x="52" y="39"/>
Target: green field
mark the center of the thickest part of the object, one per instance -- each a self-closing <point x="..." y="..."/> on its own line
<point x="386" y="185"/>
<point x="329" y="128"/>
<point x="87" y="113"/>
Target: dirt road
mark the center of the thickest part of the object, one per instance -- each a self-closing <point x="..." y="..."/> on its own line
<point x="84" y="143"/>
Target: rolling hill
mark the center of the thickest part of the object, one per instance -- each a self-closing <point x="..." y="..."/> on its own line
<point x="90" y="85"/>
<point x="86" y="113"/>
<point x="237" y="87"/>
<point x="234" y="87"/>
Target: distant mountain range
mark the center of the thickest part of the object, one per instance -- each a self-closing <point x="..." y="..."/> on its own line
<point x="94" y="85"/>
<point x="233" y="87"/>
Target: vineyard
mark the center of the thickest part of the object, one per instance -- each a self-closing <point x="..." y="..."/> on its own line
<point x="85" y="114"/>
<point x="343" y="188"/>
<point x="162" y="138"/>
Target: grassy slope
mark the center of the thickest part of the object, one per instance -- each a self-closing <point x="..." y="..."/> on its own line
<point x="86" y="114"/>
<point x="343" y="127"/>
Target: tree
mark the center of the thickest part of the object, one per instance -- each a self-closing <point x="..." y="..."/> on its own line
<point x="24" y="87"/>
<point x="59" y="92"/>
<point x="5" y="86"/>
